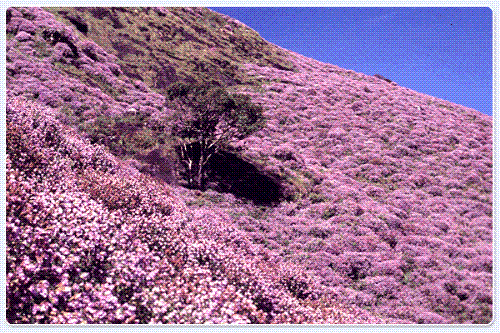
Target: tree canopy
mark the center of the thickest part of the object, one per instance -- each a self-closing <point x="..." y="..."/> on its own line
<point x="207" y="119"/>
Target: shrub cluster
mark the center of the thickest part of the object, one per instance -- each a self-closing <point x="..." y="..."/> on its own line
<point x="393" y="211"/>
<point x="396" y="202"/>
<point x="49" y="62"/>
<point x="89" y="240"/>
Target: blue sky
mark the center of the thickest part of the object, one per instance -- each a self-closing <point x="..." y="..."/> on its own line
<point x="443" y="52"/>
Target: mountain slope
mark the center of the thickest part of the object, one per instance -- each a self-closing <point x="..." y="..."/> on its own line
<point x="390" y="203"/>
<point x="396" y="214"/>
<point x="162" y="45"/>
<point x="90" y="240"/>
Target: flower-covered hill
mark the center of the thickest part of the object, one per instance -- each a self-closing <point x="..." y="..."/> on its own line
<point x="90" y="240"/>
<point x="162" y="45"/>
<point x="394" y="207"/>
<point x="390" y="205"/>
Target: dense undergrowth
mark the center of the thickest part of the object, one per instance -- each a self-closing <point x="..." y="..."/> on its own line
<point x="388" y="206"/>
<point x="91" y="240"/>
<point x="162" y="45"/>
<point x="396" y="211"/>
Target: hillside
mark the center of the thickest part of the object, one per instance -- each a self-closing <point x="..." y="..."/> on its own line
<point x="360" y="201"/>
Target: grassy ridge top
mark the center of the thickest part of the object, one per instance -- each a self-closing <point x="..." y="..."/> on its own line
<point x="162" y="45"/>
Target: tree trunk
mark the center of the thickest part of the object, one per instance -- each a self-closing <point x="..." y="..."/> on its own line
<point x="189" y="164"/>
<point x="195" y="166"/>
<point x="200" y="168"/>
<point x="199" y="178"/>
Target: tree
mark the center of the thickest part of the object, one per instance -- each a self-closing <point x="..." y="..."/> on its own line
<point x="206" y="120"/>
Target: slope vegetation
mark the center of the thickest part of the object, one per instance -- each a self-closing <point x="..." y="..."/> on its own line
<point x="162" y="45"/>
<point x="388" y="210"/>
<point x="395" y="211"/>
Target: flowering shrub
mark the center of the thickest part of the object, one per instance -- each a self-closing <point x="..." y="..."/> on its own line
<point x="393" y="212"/>
<point x="92" y="241"/>
<point x="387" y="188"/>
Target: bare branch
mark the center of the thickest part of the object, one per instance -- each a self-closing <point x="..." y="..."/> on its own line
<point x="211" y="118"/>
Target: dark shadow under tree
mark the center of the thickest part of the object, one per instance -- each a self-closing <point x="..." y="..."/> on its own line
<point x="208" y="118"/>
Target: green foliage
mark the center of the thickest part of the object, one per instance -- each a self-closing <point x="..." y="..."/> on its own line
<point x="98" y="80"/>
<point x="194" y="46"/>
<point x="208" y="119"/>
<point x="126" y="134"/>
<point x="198" y="202"/>
<point x="211" y="113"/>
<point x="99" y="130"/>
<point x="142" y="139"/>
<point x="259" y="213"/>
<point x="317" y="197"/>
<point x="41" y="49"/>
<point x="328" y="213"/>
<point x="104" y="85"/>
<point x="300" y="184"/>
